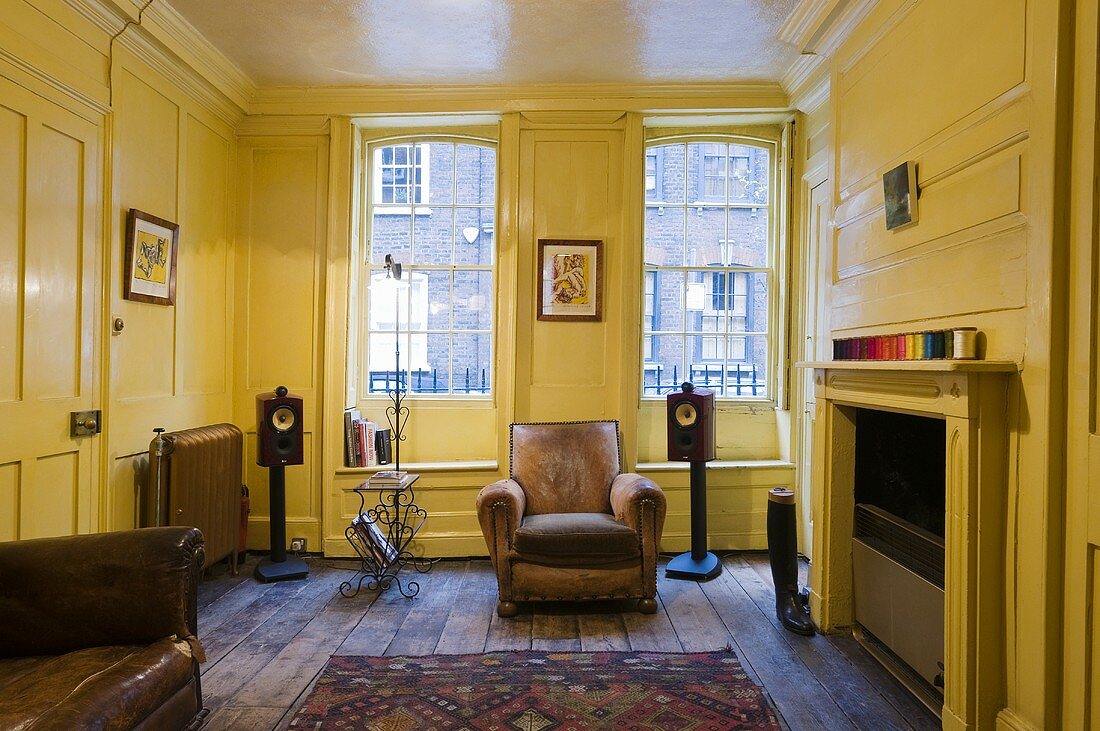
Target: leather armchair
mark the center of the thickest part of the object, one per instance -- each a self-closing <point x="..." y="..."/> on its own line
<point x="98" y="631"/>
<point x="567" y="524"/>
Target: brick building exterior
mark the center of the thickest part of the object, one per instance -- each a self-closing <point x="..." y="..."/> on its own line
<point x="689" y="224"/>
<point x="433" y="208"/>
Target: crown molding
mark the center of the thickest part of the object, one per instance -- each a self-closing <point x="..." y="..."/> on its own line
<point x="148" y="50"/>
<point x="169" y="44"/>
<point x="496" y="99"/>
<point x="201" y="54"/>
<point x="800" y="74"/>
<point x="283" y="126"/>
<point x="820" y="26"/>
<point x="804" y="20"/>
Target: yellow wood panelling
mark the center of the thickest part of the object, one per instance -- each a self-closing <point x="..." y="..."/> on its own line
<point x="13" y="145"/>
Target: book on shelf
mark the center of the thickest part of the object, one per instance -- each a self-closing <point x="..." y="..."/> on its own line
<point x="371" y="541"/>
<point x="351" y="444"/>
<point x="367" y="452"/>
<point x="389" y="477"/>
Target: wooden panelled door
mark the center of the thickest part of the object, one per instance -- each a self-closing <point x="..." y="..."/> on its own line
<point x="49" y="256"/>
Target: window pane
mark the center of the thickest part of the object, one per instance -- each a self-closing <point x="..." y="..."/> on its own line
<point x="383" y="301"/>
<point x="430" y="301"/>
<point x="670" y="173"/>
<point x="440" y="173"/>
<point x="428" y="358"/>
<point x="380" y="362"/>
<point x="747" y="302"/>
<point x="706" y="234"/>
<point x="664" y="236"/>
<point x="474" y="236"/>
<point x="473" y="300"/>
<point x="432" y="236"/>
<point x="477" y="170"/>
<point x="746" y="374"/>
<point x="471" y="366"/>
<point x="663" y="371"/>
<point x="748" y="235"/>
<point x="390" y="234"/>
<point x="749" y="168"/>
<point x="706" y="170"/>
<point x="667" y="302"/>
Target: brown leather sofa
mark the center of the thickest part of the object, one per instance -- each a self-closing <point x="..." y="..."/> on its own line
<point x="98" y="631"/>
<point x="567" y="524"/>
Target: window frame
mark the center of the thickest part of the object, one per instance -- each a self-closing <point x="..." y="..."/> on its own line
<point x="366" y="269"/>
<point x="771" y="330"/>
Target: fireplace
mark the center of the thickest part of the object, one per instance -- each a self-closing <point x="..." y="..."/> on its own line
<point x="929" y="518"/>
<point x="898" y="544"/>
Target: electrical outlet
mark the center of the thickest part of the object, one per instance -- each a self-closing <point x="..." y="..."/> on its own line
<point x="298" y="545"/>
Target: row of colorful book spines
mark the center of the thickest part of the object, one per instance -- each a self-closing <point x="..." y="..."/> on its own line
<point x="929" y="345"/>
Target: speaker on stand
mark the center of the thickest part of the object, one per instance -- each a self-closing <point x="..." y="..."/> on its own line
<point x="691" y="439"/>
<point x="278" y="444"/>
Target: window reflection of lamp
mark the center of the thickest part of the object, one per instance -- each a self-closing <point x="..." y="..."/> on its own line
<point x="398" y="414"/>
<point x="470" y="233"/>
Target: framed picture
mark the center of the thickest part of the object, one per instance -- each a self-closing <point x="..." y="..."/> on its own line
<point x="570" y="280"/>
<point x="150" y="269"/>
<point x="899" y="188"/>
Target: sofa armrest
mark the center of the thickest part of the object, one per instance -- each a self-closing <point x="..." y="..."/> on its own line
<point x="500" y="508"/>
<point x="126" y="588"/>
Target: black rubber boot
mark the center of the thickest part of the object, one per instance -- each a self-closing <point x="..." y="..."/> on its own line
<point x="783" y="553"/>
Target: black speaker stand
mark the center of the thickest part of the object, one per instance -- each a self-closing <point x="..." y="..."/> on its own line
<point x="698" y="564"/>
<point x="278" y="567"/>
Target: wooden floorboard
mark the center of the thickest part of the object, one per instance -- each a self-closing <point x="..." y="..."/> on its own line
<point x="267" y="643"/>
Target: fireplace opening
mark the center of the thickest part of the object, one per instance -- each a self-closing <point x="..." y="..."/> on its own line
<point x="900" y="461"/>
<point x="898" y="543"/>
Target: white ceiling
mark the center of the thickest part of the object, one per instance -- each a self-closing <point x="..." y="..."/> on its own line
<point x="513" y="42"/>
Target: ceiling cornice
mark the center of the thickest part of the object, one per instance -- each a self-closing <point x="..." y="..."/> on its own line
<point x="546" y="97"/>
<point x="817" y="28"/>
<point x="172" y="46"/>
<point x="213" y="65"/>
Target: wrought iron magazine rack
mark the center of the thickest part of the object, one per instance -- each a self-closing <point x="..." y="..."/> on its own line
<point x="381" y="537"/>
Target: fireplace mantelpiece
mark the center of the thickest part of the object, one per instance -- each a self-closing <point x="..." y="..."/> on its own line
<point x="971" y="396"/>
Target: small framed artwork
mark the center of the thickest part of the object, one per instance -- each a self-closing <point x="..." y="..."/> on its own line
<point x="570" y="280"/>
<point x="899" y="187"/>
<point x="150" y="269"/>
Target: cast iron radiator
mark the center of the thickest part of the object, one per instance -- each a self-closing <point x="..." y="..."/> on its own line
<point x="195" y="480"/>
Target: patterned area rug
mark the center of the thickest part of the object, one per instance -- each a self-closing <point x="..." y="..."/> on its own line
<point x="537" y="691"/>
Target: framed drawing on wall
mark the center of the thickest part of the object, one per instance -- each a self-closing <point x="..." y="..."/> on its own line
<point x="570" y="280"/>
<point x="150" y="268"/>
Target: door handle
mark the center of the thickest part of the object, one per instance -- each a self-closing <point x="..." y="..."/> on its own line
<point x="85" y="423"/>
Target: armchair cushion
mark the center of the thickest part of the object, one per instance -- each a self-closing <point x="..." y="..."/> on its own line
<point x="576" y="534"/>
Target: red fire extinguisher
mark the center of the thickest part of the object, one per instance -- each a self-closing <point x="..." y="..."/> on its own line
<point x="242" y="538"/>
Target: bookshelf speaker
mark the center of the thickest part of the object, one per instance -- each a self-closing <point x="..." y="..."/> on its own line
<point x="690" y="424"/>
<point x="279" y="433"/>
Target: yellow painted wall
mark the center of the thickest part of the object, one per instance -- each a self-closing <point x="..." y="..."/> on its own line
<point x="170" y="366"/>
<point x="100" y="127"/>
<point x="967" y="91"/>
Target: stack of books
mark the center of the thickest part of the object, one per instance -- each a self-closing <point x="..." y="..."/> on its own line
<point x="389" y="478"/>
<point x="360" y="448"/>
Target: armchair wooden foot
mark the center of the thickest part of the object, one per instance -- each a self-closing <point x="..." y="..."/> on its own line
<point x="507" y="609"/>
<point x="647" y="605"/>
